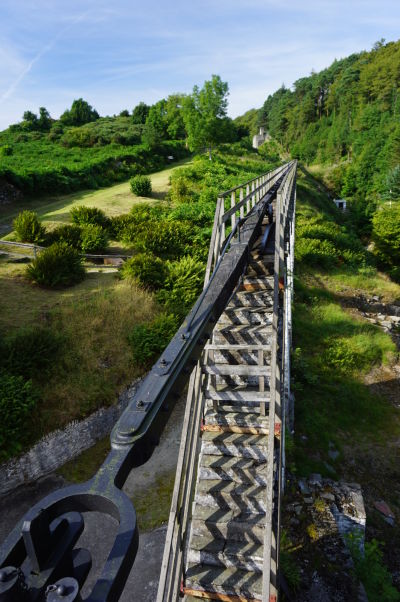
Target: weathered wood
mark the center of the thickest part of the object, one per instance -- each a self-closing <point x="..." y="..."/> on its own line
<point x="238" y="347"/>
<point x="244" y="430"/>
<point x="196" y="593"/>
<point x="235" y="370"/>
<point x="237" y="395"/>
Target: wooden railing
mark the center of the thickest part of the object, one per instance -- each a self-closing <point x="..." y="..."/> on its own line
<point x="280" y="376"/>
<point x="235" y="204"/>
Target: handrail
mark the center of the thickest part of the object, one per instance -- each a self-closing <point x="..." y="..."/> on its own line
<point x="247" y="200"/>
<point x="35" y="248"/>
<point x="277" y="418"/>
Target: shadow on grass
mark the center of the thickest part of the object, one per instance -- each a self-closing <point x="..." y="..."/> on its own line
<point x="333" y="353"/>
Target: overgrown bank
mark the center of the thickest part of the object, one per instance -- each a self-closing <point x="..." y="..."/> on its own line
<point x="344" y="377"/>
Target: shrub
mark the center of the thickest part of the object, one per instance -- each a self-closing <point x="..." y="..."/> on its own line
<point x="316" y="252"/>
<point x="93" y="239"/>
<point x="17" y="400"/>
<point x="29" y="351"/>
<point x="386" y="234"/>
<point x="28" y="227"/>
<point x="149" y="340"/>
<point x="120" y="225"/>
<point x="6" y="150"/>
<point x="58" y="265"/>
<point x="89" y="215"/>
<point x="371" y="570"/>
<point x="68" y="233"/>
<point x="181" y="190"/>
<point x="164" y="238"/>
<point x="148" y="270"/>
<point x="141" y="185"/>
<point x="183" y="284"/>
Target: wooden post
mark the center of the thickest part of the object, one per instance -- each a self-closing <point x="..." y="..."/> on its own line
<point x="233" y="203"/>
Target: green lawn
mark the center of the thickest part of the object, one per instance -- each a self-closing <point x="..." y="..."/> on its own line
<point x="113" y="200"/>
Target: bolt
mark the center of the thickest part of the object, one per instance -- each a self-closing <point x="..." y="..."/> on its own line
<point x="139" y="403"/>
<point x="163" y="363"/>
<point x="183" y="336"/>
<point x="62" y="590"/>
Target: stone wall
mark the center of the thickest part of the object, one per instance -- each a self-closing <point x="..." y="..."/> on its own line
<point x="59" y="447"/>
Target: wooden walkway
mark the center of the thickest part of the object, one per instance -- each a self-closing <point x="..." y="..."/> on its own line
<point x="223" y="535"/>
<point x="225" y="552"/>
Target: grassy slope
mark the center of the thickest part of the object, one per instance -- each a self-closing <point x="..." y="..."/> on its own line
<point x="113" y="200"/>
<point x="345" y="380"/>
<point x="93" y="317"/>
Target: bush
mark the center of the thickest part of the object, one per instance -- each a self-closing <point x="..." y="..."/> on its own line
<point x="6" y="150"/>
<point x="148" y="270"/>
<point x="164" y="238"/>
<point x="28" y="227"/>
<point x="141" y="185"/>
<point x="181" y="190"/>
<point x="58" y="265"/>
<point x="68" y="233"/>
<point x="94" y="239"/>
<point x="30" y="351"/>
<point x="17" y="400"/>
<point x="386" y="234"/>
<point x="149" y="340"/>
<point x="183" y="285"/>
<point x="315" y="252"/>
<point x="89" y="215"/>
<point x="118" y="226"/>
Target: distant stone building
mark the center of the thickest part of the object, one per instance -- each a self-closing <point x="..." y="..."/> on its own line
<point x="340" y="204"/>
<point x="260" y="138"/>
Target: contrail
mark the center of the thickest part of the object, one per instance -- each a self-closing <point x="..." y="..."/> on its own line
<point x="38" y="56"/>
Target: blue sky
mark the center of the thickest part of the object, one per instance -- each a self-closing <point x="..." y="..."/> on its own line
<point x="115" y="54"/>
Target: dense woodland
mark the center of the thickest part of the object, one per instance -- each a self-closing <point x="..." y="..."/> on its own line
<point x="346" y="120"/>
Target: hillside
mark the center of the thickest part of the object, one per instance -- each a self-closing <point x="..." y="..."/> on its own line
<point x="344" y="122"/>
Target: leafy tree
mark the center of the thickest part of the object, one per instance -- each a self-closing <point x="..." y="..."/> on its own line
<point x="140" y="113"/>
<point x="31" y="120"/>
<point x="174" y="117"/>
<point x="124" y="113"/>
<point x="81" y="112"/>
<point x="44" y="120"/>
<point x="204" y="114"/>
<point x="155" y="128"/>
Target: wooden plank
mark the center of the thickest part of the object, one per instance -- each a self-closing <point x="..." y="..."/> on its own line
<point x="237" y="395"/>
<point x="197" y="593"/>
<point x="240" y="430"/>
<point x="238" y="347"/>
<point x="236" y="370"/>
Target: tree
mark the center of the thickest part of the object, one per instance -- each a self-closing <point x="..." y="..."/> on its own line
<point x="173" y="116"/>
<point x="155" y="128"/>
<point x="44" y="121"/>
<point x="204" y="114"/>
<point x="124" y="113"/>
<point x="81" y="112"/>
<point x="30" y="120"/>
<point x="140" y="113"/>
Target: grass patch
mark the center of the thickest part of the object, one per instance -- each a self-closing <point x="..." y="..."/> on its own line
<point x="113" y="200"/>
<point x="153" y="504"/>
<point x="83" y="467"/>
<point x="335" y="350"/>
<point x="92" y="319"/>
